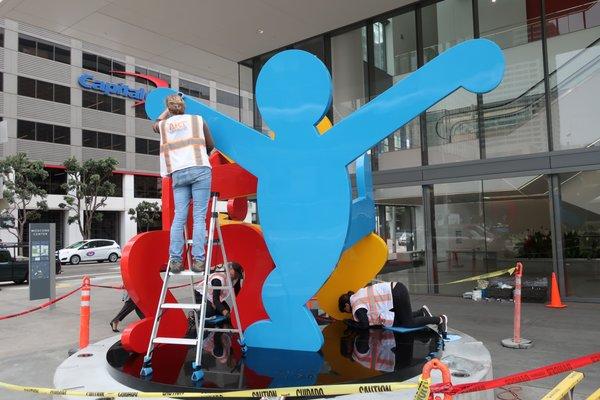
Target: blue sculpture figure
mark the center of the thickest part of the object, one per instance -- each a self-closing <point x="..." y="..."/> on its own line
<point x="304" y="194"/>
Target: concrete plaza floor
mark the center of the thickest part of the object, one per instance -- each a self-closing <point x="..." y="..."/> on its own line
<point x="32" y="346"/>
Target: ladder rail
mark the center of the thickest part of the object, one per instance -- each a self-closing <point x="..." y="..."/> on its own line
<point x="208" y="259"/>
<point x="159" y="312"/>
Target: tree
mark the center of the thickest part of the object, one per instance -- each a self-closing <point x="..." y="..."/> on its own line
<point x="146" y="214"/>
<point x="88" y="186"/>
<point x="21" y="189"/>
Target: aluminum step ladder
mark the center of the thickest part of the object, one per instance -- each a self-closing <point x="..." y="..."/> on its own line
<point x="200" y="321"/>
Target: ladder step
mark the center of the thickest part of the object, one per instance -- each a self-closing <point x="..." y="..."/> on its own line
<point x="168" y="340"/>
<point x="222" y="330"/>
<point x="182" y="306"/>
<point x="187" y="272"/>
<point x="220" y="287"/>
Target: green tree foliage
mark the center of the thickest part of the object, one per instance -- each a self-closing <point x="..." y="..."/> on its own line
<point x="22" y="178"/>
<point x="146" y="214"/>
<point x="88" y="186"/>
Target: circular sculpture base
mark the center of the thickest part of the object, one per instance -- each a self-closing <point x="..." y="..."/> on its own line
<point x="347" y="356"/>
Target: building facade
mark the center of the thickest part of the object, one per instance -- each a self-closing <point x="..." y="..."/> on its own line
<point x="479" y="182"/>
<point x="53" y="112"/>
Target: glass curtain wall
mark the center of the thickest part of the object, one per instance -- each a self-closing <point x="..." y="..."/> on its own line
<point x="444" y="25"/>
<point x="400" y="223"/>
<point x="394" y="43"/>
<point x="514" y="114"/>
<point x="573" y="32"/>
<point x="580" y="217"/>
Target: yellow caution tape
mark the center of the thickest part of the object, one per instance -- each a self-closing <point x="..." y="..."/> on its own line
<point x="562" y="389"/>
<point x="325" y="390"/>
<point x="595" y="395"/>
<point x="423" y="389"/>
<point x="494" y="274"/>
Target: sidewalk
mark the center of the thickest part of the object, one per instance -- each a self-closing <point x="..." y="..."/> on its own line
<point x="34" y="345"/>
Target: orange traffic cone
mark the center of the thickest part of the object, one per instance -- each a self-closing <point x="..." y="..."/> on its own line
<point x="555" y="301"/>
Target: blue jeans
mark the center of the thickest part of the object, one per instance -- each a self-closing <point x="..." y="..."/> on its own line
<point x="190" y="183"/>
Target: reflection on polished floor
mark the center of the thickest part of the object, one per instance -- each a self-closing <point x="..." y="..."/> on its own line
<point x="375" y="355"/>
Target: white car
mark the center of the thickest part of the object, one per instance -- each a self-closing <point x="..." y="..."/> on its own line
<point x="99" y="250"/>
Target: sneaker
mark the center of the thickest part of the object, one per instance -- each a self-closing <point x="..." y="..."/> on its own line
<point x="198" y="266"/>
<point x="426" y="312"/>
<point x="443" y="326"/>
<point x="176" y="266"/>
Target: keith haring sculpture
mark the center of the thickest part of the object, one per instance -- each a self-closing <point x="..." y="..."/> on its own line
<point x="304" y="193"/>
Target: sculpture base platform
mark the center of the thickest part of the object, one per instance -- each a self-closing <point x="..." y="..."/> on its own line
<point x="346" y="357"/>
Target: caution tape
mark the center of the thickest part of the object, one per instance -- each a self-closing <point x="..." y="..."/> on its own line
<point x="301" y="391"/>
<point x="531" y="375"/>
<point x="595" y="395"/>
<point x="489" y="275"/>
<point x="47" y="304"/>
<point x="560" y="391"/>
<point x="424" y="389"/>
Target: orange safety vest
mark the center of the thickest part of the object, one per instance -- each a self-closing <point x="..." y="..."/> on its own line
<point x="377" y="300"/>
<point x="182" y="143"/>
<point x="380" y="356"/>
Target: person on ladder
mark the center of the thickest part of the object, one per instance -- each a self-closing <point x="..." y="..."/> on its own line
<point x="217" y="298"/>
<point x="185" y="142"/>
<point x="387" y="304"/>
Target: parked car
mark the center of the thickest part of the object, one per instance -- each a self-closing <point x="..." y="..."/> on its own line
<point x="16" y="268"/>
<point x="98" y="250"/>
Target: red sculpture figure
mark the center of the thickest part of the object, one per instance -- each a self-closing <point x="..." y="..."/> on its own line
<point x="146" y="255"/>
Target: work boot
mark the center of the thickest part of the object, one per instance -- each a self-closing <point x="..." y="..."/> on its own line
<point x="197" y="266"/>
<point x="443" y="326"/>
<point x="176" y="266"/>
<point x="426" y="312"/>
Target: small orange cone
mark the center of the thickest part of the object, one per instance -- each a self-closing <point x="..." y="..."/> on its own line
<point x="555" y="301"/>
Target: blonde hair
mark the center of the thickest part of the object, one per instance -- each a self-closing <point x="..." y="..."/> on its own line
<point x="175" y="104"/>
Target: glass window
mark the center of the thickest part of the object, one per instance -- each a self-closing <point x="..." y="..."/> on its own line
<point x="117" y="179"/>
<point x="62" y="54"/>
<point x="153" y="147"/>
<point x="227" y="98"/>
<point x="62" y="94"/>
<point x="27" y="45"/>
<point x="514" y="114"/>
<point x="400" y="222"/>
<point x="517" y="224"/>
<point x="573" y="29"/>
<point x="25" y="130"/>
<point x="580" y="216"/>
<point x="45" y="50"/>
<point x="147" y="186"/>
<point x="44" y="132"/>
<point x="90" y="61"/>
<point x="104" y="103"/>
<point x="141" y="146"/>
<point x="118" y="66"/>
<point x="395" y="56"/>
<point x="348" y="64"/>
<point x="446" y="24"/>
<point x="315" y="46"/>
<point x="104" y="140"/>
<point x="140" y="112"/>
<point x="89" y="138"/>
<point x="118" y="106"/>
<point x="194" y="89"/>
<point x="89" y="99"/>
<point x="118" y="142"/>
<point x="104" y="65"/>
<point x="62" y="134"/>
<point x="26" y="86"/>
<point x="45" y="90"/>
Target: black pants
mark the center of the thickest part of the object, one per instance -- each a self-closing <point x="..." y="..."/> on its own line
<point x="127" y="308"/>
<point x="403" y="313"/>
